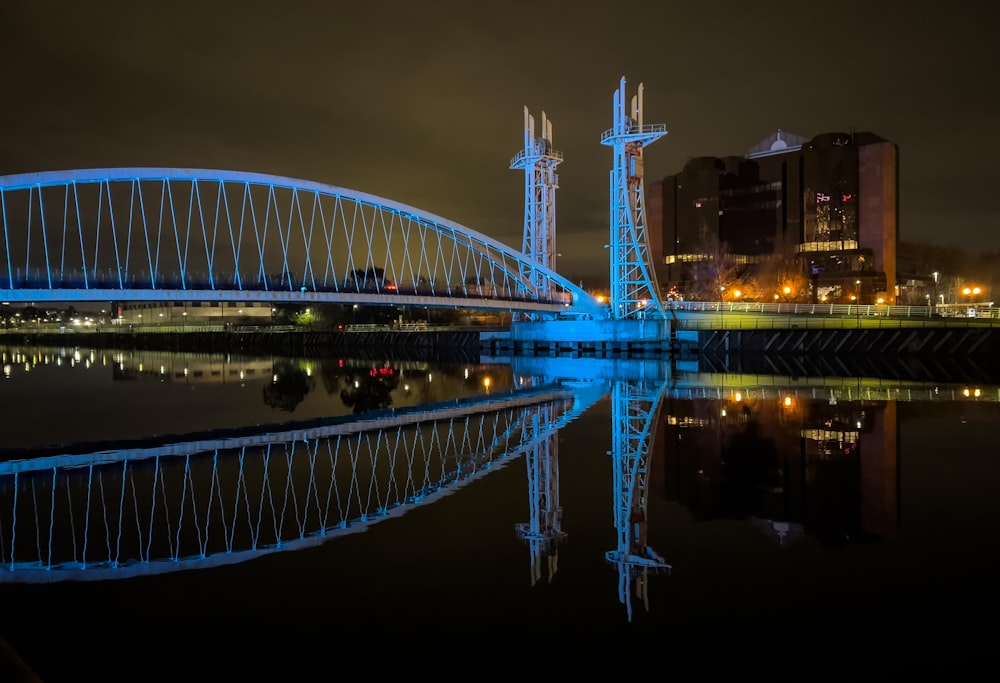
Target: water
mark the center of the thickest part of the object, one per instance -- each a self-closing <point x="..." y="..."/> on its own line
<point x="841" y="515"/>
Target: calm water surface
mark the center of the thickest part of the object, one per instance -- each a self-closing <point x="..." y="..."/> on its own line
<point x="191" y="515"/>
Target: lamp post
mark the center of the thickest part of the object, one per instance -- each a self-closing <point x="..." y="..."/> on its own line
<point x="972" y="293"/>
<point x="857" y="299"/>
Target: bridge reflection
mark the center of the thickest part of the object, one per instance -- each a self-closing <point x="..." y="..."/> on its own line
<point x="795" y="456"/>
<point x="117" y="513"/>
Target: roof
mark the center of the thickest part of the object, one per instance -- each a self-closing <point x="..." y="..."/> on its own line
<point x="777" y="143"/>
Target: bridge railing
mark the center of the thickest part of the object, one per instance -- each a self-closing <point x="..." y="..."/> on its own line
<point x="737" y="322"/>
<point x="839" y="310"/>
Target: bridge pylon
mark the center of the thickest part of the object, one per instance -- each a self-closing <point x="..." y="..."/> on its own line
<point x="635" y="292"/>
<point x="538" y="160"/>
<point x="543" y="531"/>
<point x="635" y="408"/>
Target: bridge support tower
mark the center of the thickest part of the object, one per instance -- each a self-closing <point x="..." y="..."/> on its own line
<point x="635" y="293"/>
<point x="538" y="160"/>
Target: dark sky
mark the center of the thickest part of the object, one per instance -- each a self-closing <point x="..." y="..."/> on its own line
<point x="421" y="102"/>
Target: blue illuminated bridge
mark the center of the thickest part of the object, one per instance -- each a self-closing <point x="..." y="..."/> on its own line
<point x="168" y="234"/>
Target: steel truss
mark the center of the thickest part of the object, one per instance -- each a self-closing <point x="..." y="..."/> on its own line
<point x="538" y="160"/>
<point x="187" y="234"/>
<point x="635" y="292"/>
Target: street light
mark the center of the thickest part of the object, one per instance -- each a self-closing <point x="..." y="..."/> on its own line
<point x="857" y="286"/>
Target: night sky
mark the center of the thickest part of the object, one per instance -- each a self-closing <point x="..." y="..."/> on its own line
<point x="422" y="103"/>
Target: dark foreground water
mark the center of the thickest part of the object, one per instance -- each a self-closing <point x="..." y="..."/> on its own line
<point x="417" y="519"/>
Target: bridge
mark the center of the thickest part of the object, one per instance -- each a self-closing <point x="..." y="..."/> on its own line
<point x="167" y="234"/>
<point x="170" y="234"/>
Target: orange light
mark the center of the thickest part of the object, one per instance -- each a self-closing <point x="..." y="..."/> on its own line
<point x="880" y="300"/>
<point x="737" y="293"/>
<point x="788" y="401"/>
<point x="787" y="290"/>
<point x="853" y="297"/>
<point x="601" y="299"/>
<point x="966" y="291"/>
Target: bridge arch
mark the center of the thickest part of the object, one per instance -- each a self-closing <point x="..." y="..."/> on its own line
<point x="155" y="234"/>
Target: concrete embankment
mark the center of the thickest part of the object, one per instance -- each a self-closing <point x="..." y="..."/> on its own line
<point x="427" y="343"/>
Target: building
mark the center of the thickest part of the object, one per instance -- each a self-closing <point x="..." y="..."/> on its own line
<point x="193" y="313"/>
<point x="804" y="219"/>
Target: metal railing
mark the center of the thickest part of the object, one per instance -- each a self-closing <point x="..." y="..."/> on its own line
<point x="838" y="310"/>
<point x="775" y="322"/>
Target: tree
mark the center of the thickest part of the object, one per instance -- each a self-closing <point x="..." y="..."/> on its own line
<point x="716" y="274"/>
<point x="779" y="277"/>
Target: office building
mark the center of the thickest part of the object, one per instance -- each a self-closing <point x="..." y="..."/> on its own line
<point x="803" y="219"/>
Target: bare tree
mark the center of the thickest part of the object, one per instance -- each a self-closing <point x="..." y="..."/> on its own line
<point x="717" y="273"/>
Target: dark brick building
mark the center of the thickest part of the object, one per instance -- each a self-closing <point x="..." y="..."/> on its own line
<point x="826" y="207"/>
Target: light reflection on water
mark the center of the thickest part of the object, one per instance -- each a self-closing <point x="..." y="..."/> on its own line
<point x="802" y="508"/>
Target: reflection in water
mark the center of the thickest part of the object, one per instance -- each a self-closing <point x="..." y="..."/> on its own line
<point x="815" y="457"/>
<point x="371" y="390"/>
<point x="827" y="468"/>
<point x="635" y="406"/>
<point x="289" y="386"/>
<point x="120" y="513"/>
